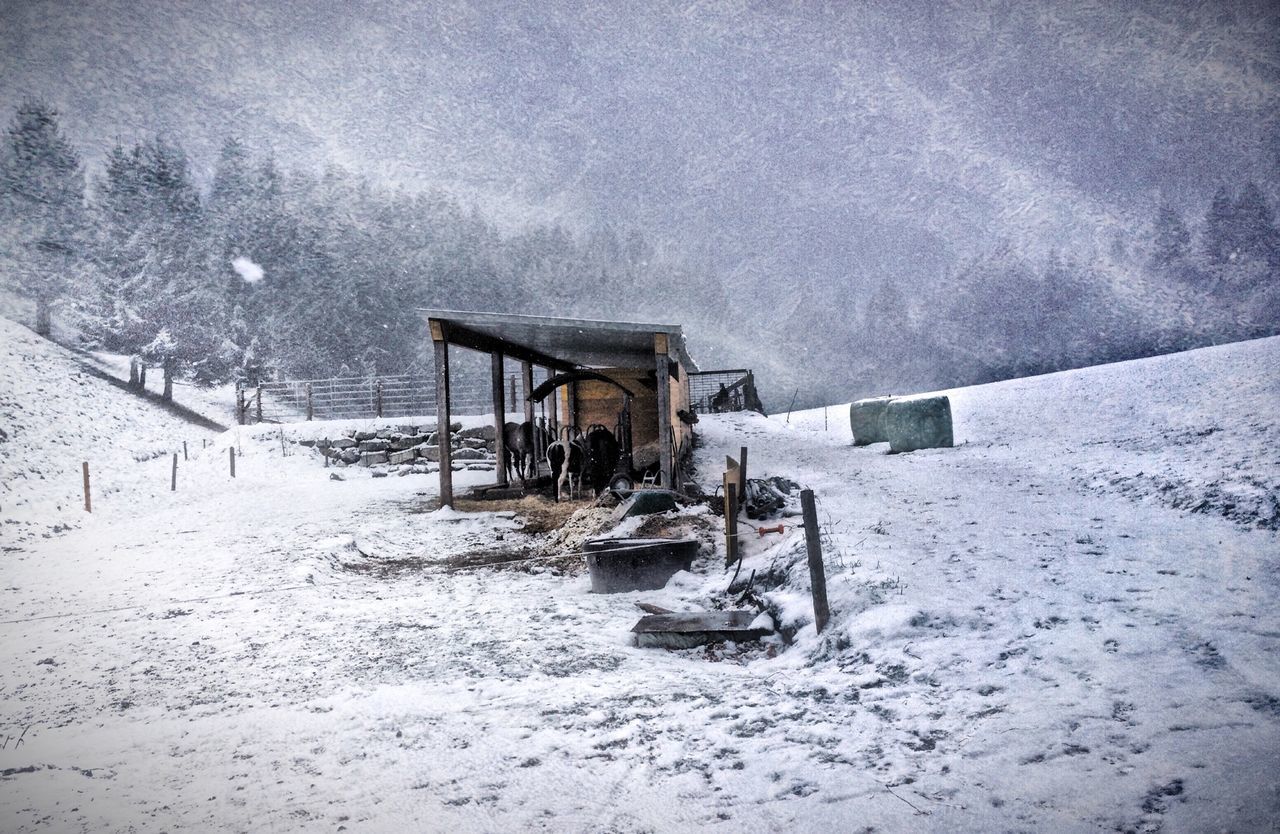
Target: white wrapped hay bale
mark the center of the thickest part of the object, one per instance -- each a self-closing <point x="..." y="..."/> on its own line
<point x="923" y="423"/>
<point x="866" y="419"/>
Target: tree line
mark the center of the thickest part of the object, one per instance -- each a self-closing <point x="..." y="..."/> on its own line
<point x="265" y="272"/>
<point x="1178" y="283"/>
<point x="270" y="273"/>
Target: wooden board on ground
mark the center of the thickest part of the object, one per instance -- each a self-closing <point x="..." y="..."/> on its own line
<point x="683" y="631"/>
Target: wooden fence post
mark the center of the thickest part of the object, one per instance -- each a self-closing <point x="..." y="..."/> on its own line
<point x="730" y="484"/>
<point x="231" y="455"/>
<point x="88" y="505"/>
<point x="377" y="396"/>
<point x="742" y="473"/>
<point x="310" y="406"/>
<point x="240" y="403"/>
<point x="184" y="450"/>
<point x="259" y="403"/>
<point x="173" y="479"/>
<point x="817" y="573"/>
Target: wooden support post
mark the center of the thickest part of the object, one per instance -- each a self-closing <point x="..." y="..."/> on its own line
<point x="742" y="473"/>
<point x="231" y="456"/>
<point x="442" y="415"/>
<point x="184" y="450"/>
<point x="310" y="404"/>
<point x="377" y="397"/>
<point x="259" y="399"/>
<point x="553" y="416"/>
<point x="88" y="504"/>
<point x="731" y="550"/>
<point x="663" y="378"/>
<point x="499" y="417"/>
<point x="240" y="403"/>
<point x="817" y="573"/>
<point x="173" y="478"/>
<point x="526" y="382"/>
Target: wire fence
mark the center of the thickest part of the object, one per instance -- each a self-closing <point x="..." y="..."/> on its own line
<point x="713" y="392"/>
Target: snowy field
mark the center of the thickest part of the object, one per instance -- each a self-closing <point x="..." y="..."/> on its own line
<point x="1067" y="623"/>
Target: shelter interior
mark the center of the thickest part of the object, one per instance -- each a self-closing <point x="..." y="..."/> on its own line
<point x="597" y="368"/>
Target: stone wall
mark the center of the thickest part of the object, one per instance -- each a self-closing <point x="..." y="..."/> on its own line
<point x="409" y="448"/>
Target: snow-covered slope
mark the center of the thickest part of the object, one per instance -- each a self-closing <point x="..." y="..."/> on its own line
<point x="1017" y="642"/>
<point x="1198" y="430"/>
<point x="53" y="417"/>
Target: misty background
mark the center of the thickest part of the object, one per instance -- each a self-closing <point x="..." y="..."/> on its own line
<point x="853" y="199"/>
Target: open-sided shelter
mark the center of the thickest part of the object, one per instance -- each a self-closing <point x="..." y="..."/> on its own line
<point x="648" y="361"/>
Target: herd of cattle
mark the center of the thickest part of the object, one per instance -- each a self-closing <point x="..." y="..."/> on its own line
<point x="577" y="460"/>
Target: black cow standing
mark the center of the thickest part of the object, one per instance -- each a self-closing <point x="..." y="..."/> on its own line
<point x="602" y="451"/>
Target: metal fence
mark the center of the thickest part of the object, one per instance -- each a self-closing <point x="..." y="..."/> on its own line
<point x="350" y="398"/>
<point x="712" y="392"/>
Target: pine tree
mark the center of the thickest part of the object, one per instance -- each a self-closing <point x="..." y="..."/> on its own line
<point x="41" y="206"/>
<point x="1217" y="240"/>
<point x="1171" y="246"/>
<point x="1255" y="228"/>
<point x="156" y="291"/>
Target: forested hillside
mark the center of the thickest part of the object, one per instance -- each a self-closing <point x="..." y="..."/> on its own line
<point x="948" y="193"/>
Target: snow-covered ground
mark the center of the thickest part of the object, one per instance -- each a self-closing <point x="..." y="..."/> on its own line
<point x="1029" y="633"/>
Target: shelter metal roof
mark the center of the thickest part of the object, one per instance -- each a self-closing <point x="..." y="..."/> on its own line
<point x="562" y="343"/>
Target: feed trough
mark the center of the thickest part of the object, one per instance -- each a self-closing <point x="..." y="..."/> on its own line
<point x="621" y="565"/>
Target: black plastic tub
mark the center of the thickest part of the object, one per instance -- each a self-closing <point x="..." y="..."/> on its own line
<point x="620" y="565"/>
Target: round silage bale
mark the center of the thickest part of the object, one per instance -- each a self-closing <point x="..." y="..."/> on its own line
<point x="866" y="419"/>
<point x="923" y="423"/>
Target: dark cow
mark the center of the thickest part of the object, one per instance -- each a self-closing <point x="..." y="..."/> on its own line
<point x="521" y="457"/>
<point x="602" y="451"/>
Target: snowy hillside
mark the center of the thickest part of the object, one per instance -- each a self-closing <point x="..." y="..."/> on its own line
<point x="1198" y="430"/>
<point x="53" y="417"/>
<point x="1029" y="632"/>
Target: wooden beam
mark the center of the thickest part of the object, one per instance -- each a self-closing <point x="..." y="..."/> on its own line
<point x="664" y="412"/>
<point x="499" y="416"/>
<point x="463" y="337"/>
<point x="442" y="423"/>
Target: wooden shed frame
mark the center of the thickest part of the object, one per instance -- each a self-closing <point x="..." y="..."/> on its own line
<point x="636" y="349"/>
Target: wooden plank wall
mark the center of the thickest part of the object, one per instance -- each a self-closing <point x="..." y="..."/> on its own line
<point x="680" y="402"/>
<point x="599" y="402"/>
